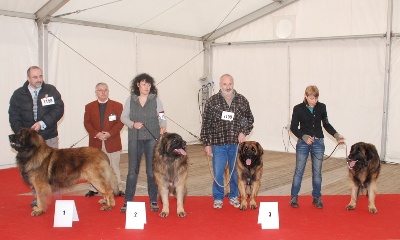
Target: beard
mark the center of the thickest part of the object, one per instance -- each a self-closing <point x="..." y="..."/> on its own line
<point x="37" y="84"/>
<point x="227" y="91"/>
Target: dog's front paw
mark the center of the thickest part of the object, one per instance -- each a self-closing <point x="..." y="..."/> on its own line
<point x="36" y="212"/>
<point x="243" y="206"/>
<point x="181" y="214"/>
<point x="373" y="210"/>
<point x="253" y="203"/>
<point x="105" y="208"/>
<point x="350" y="207"/>
<point x="253" y="206"/>
<point x="102" y="201"/>
<point x="164" y="214"/>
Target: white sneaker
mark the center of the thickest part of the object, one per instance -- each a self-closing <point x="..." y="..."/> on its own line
<point x="234" y="202"/>
<point x="218" y="204"/>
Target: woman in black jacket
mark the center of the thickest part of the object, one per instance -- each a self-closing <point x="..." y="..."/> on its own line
<point x="306" y="126"/>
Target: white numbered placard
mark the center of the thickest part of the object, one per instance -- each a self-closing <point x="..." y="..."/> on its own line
<point x="268" y="215"/>
<point x="135" y="215"/>
<point x="64" y="213"/>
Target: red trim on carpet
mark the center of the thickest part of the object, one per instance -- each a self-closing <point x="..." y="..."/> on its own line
<point x="202" y="221"/>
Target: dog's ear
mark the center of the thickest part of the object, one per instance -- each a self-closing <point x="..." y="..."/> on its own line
<point x="240" y="148"/>
<point x="369" y="152"/>
<point x="162" y="147"/>
<point x="259" y="149"/>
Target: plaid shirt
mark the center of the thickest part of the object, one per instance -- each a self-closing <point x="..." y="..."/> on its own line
<point x="216" y="131"/>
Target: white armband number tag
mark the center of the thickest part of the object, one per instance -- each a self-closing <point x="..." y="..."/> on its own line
<point x="47" y="101"/>
<point x="227" y="116"/>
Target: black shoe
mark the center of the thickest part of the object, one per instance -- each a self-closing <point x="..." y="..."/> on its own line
<point x="90" y="193"/>
<point x="293" y="202"/>
<point x="123" y="209"/>
<point x="154" y="207"/>
<point x="33" y="203"/>
<point x="121" y="194"/>
<point x="317" y="202"/>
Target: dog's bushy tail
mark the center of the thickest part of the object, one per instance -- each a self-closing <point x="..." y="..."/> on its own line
<point x="110" y="175"/>
<point x="114" y="183"/>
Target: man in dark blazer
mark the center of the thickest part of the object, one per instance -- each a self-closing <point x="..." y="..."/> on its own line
<point x="102" y="121"/>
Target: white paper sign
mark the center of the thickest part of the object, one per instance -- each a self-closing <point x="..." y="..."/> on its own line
<point x="135" y="215"/>
<point x="268" y="215"/>
<point x="65" y="212"/>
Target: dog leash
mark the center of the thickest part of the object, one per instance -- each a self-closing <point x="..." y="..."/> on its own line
<point x="323" y="159"/>
<point x="149" y="132"/>
<point x="79" y="141"/>
<point x="230" y="174"/>
<point x="313" y="152"/>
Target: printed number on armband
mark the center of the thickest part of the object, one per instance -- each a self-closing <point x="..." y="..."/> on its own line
<point x="47" y="101"/>
<point x="227" y="116"/>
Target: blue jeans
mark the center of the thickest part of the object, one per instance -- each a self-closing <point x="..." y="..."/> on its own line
<point x="222" y="155"/>
<point x="136" y="148"/>
<point x="316" y="150"/>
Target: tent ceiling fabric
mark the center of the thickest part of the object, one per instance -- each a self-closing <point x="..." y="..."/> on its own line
<point x="180" y="17"/>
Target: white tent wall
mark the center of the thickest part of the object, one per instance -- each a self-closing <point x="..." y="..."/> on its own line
<point x="316" y="18"/>
<point x="177" y="66"/>
<point x="261" y="75"/>
<point x="122" y="56"/>
<point x="79" y="58"/>
<point x="349" y="72"/>
<point x="18" y="51"/>
<point x="273" y="77"/>
<point x="393" y="150"/>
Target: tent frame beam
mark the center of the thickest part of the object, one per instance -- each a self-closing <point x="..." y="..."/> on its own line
<point x="42" y="19"/>
<point x="127" y="29"/>
<point x="17" y="14"/>
<point x="270" y="8"/>
<point x="301" y="39"/>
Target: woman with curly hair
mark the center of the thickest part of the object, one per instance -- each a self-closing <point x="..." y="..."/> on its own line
<point x="143" y="114"/>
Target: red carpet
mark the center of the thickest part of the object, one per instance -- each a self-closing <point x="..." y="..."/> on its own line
<point x="202" y="221"/>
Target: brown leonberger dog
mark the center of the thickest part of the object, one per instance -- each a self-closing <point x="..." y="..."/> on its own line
<point x="49" y="170"/>
<point x="170" y="168"/>
<point x="249" y="169"/>
<point x="364" y="167"/>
